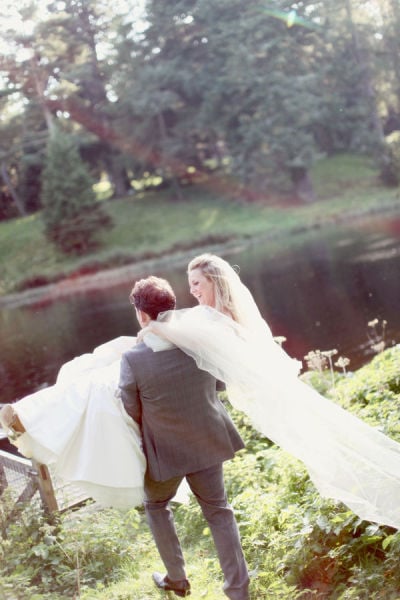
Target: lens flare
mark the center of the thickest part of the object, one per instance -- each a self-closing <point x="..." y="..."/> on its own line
<point x="291" y="18"/>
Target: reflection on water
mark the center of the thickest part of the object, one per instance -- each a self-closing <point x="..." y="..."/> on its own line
<point x="322" y="294"/>
<point x="37" y="340"/>
<point x="318" y="292"/>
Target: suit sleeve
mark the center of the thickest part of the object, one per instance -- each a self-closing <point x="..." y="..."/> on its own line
<point x="129" y="391"/>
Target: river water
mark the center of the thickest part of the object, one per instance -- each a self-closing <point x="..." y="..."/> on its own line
<point x="319" y="290"/>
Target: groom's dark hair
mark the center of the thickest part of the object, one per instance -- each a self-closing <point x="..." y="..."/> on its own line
<point x="153" y="295"/>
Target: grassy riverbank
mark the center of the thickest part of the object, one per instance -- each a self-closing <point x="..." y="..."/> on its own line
<point x="154" y="224"/>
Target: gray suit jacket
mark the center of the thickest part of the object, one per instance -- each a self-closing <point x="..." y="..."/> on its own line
<point x="184" y="425"/>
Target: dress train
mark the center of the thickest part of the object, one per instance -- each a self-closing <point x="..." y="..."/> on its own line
<point x="347" y="460"/>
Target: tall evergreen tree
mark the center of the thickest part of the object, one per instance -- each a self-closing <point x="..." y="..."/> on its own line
<point x="72" y="216"/>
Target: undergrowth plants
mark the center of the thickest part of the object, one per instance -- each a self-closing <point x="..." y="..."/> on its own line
<point x="293" y="536"/>
<point x="298" y="545"/>
<point x="61" y="555"/>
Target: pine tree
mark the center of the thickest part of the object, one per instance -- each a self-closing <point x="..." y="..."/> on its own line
<point x="71" y="213"/>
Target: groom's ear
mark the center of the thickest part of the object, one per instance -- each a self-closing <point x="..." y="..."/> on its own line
<point x="142" y="317"/>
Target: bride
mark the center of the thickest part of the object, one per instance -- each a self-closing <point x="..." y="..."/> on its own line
<point x="80" y="426"/>
<point x="346" y="459"/>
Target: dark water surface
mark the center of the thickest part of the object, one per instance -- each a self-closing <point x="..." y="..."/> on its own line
<point x="319" y="291"/>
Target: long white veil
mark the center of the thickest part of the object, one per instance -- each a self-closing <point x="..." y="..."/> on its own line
<point x="347" y="460"/>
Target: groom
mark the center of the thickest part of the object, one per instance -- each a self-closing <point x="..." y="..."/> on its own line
<point x="186" y="432"/>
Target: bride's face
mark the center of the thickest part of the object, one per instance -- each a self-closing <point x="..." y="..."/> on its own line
<point x="201" y="288"/>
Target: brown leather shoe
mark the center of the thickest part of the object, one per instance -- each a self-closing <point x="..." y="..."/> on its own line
<point x="180" y="588"/>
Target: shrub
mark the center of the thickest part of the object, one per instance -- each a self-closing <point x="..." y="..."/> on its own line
<point x="61" y="554"/>
<point x="72" y="216"/>
<point x="373" y="392"/>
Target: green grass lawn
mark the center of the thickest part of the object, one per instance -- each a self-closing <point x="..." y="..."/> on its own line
<point x="154" y="223"/>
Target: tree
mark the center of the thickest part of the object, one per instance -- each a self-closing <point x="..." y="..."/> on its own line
<point x="257" y="90"/>
<point x="57" y="68"/>
<point x="82" y="26"/>
<point x="156" y="94"/>
<point x="13" y="201"/>
<point x="205" y="76"/>
<point x="72" y="216"/>
<point x="350" y="114"/>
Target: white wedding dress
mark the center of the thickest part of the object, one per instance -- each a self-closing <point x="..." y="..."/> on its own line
<point x="80" y="428"/>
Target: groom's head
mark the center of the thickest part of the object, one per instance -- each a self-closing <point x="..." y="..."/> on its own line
<point x="150" y="297"/>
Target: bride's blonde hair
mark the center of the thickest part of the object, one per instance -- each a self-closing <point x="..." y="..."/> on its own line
<point x="220" y="273"/>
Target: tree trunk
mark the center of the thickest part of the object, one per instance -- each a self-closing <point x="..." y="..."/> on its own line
<point x="367" y="88"/>
<point x="166" y="163"/>
<point x="40" y="79"/>
<point x="17" y="201"/>
<point x="118" y="178"/>
<point x="302" y="184"/>
<point x="394" y="20"/>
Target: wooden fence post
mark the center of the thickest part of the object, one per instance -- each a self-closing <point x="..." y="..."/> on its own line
<point x="45" y="486"/>
<point x="27" y="477"/>
<point x="3" y="479"/>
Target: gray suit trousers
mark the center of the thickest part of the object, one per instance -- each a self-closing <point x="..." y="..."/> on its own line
<point x="209" y="489"/>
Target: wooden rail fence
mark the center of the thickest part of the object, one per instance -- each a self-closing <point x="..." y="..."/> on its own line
<point x="29" y="481"/>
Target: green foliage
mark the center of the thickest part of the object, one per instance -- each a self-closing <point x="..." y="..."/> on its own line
<point x="78" y="234"/>
<point x="209" y="53"/>
<point x="65" y="553"/>
<point x="149" y="90"/>
<point x="71" y="214"/>
<point x="321" y="381"/>
<point x="373" y="392"/>
<point x="294" y="539"/>
<point x="341" y="173"/>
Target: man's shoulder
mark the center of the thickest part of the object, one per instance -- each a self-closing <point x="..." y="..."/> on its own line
<point x="136" y="350"/>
